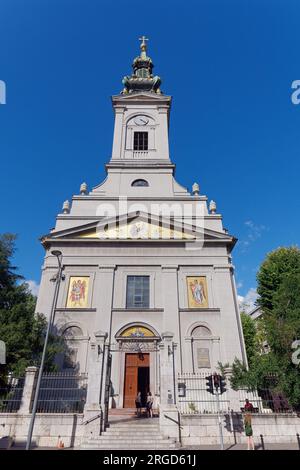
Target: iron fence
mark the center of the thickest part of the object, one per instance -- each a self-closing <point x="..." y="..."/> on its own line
<point x="62" y="392"/>
<point x="265" y="401"/>
<point x="11" y="394"/>
<point x="194" y="398"/>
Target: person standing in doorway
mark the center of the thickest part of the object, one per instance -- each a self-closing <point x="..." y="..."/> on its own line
<point x="249" y="431"/>
<point x="149" y="405"/>
<point x="138" y="404"/>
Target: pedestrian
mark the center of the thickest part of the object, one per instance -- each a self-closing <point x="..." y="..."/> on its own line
<point x="249" y="431"/>
<point x="149" y="405"/>
<point x="138" y="404"/>
<point x="248" y="407"/>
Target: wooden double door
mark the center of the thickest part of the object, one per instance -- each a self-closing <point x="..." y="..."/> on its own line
<point x="136" y="378"/>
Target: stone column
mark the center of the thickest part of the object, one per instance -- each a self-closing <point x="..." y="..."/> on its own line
<point x="118" y="132"/>
<point x="168" y="413"/>
<point x="171" y="308"/>
<point x="93" y="410"/>
<point x="28" y="390"/>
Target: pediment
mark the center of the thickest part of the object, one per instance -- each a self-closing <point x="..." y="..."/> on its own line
<point x="138" y="226"/>
<point x="142" y="96"/>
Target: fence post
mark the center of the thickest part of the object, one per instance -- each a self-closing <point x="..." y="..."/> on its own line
<point x="93" y="409"/>
<point x="233" y="395"/>
<point x="28" y="390"/>
<point x="168" y="413"/>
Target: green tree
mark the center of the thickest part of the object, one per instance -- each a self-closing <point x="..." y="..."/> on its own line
<point x="20" y="329"/>
<point x="276" y="267"/>
<point x="279" y="290"/>
<point x="249" y="331"/>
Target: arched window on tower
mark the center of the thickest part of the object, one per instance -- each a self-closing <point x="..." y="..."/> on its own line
<point x="140" y="182"/>
<point x="201" y="348"/>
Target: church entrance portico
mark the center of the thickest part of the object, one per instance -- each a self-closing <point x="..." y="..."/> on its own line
<point x="136" y="356"/>
<point x="136" y="379"/>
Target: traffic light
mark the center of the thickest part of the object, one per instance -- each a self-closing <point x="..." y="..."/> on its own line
<point x="209" y="384"/>
<point x="216" y="380"/>
<point x="222" y="385"/>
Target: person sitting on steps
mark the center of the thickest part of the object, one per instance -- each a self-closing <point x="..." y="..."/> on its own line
<point x="138" y="404"/>
<point x="149" y="405"/>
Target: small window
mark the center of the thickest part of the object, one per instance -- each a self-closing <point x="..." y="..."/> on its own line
<point x="140" y="183"/>
<point x="137" y="294"/>
<point x="140" y="141"/>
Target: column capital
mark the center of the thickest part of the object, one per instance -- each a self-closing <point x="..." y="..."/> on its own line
<point x="31" y="369"/>
<point x="170" y="268"/>
<point x="107" y="268"/>
<point x="100" y="335"/>
<point x="167" y="336"/>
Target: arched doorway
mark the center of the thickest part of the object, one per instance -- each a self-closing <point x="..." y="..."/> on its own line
<point x="138" y="347"/>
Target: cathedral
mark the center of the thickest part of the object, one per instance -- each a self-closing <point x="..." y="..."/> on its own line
<point x="148" y="289"/>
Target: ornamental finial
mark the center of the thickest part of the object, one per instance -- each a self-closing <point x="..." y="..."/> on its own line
<point x="195" y="189"/>
<point x="143" y="45"/>
<point x="212" y="207"/>
<point x="142" y="78"/>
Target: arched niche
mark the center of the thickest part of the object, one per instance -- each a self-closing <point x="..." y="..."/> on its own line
<point x="141" y="122"/>
<point x="201" y="348"/>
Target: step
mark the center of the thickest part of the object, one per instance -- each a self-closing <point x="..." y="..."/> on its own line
<point x="127" y="441"/>
<point x="162" y="440"/>
<point x="134" y="425"/>
<point x="121" y="435"/>
<point x="125" y="447"/>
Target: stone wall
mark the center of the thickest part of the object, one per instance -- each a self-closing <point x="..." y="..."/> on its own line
<point x="274" y="428"/>
<point x="48" y="429"/>
<point x="195" y="430"/>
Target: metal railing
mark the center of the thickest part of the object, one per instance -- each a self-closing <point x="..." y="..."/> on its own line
<point x="265" y="401"/>
<point x="11" y="394"/>
<point x="62" y="393"/>
<point x="196" y="399"/>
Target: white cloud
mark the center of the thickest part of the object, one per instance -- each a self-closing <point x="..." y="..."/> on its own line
<point x="247" y="302"/>
<point x="253" y="233"/>
<point x="33" y="287"/>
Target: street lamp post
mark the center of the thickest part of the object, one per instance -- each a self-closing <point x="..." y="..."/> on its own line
<point x="58" y="278"/>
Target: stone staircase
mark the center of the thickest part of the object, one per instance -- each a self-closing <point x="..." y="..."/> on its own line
<point x="131" y="433"/>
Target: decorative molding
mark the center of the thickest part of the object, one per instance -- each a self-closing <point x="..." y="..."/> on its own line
<point x="201" y="310"/>
<point x="108" y="267"/>
<point x="65" y="309"/>
<point x="138" y="309"/>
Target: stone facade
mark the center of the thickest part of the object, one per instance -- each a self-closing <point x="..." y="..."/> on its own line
<point x="141" y="222"/>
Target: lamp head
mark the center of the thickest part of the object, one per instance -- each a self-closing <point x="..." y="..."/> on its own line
<point x="56" y="253"/>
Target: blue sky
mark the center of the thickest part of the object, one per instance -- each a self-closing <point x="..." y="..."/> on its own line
<point x="229" y="66"/>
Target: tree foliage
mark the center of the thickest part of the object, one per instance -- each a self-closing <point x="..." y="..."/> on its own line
<point x="249" y="331"/>
<point x="279" y="291"/>
<point x="274" y="270"/>
<point x="20" y="329"/>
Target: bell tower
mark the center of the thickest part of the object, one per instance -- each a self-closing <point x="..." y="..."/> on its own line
<point x="141" y="116"/>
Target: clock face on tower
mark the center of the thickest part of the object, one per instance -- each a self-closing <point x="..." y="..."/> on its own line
<point x="141" y="120"/>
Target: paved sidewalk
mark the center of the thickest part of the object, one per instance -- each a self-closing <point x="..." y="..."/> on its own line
<point x="192" y="448"/>
<point x="244" y="447"/>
